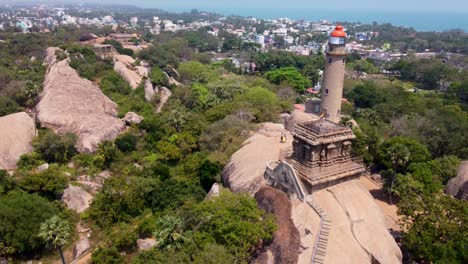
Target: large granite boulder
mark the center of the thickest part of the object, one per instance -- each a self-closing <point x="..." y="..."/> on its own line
<point x="245" y="169"/>
<point x="458" y="186"/>
<point x="132" y="77"/>
<point x="132" y="118"/>
<point x="16" y="134"/>
<point x="72" y="104"/>
<point x="76" y="198"/>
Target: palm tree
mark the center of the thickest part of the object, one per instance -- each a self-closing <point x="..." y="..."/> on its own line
<point x="56" y="232"/>
<point x="399" y="156"/>
<point x="169" y="234"/>
<point x="30" y="92"/>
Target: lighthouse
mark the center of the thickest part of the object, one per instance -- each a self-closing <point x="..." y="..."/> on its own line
<point x="332" y="84"/>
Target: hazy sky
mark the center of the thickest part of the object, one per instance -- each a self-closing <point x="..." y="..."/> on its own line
<point x="382" y="5"/>
<point x="459" y="6"/>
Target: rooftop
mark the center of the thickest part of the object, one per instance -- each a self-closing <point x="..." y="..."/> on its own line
<point x="322" y="131"/>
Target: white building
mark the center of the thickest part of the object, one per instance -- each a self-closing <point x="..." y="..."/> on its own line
<point x="134" y="21"/>
<point x="260" y="39"/>
<point x="289" y="40"/>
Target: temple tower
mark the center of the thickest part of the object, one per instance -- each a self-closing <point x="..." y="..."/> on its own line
<point x="332" y="85"/>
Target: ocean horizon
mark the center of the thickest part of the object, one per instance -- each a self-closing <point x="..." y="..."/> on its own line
<point x="421" y="21"/>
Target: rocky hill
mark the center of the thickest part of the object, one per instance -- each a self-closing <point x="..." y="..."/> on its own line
<point x="70" y="103"/>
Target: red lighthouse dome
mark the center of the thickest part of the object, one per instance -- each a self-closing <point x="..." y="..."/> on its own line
<point x="339" y="32"/>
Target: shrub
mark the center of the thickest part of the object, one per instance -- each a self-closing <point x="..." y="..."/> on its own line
<point x="106" y="255"/>
<point x="29" y="161"/>
<point x="55" y="148"/>
<point x="106" y="154"/>
<point x="6" y="182"/>
<point x="158" y="77"/>
<point x="49" y="183"/>
<point x="8" y="106"/>
<point x="124" y="237"/>
<point x="126" y="142"/>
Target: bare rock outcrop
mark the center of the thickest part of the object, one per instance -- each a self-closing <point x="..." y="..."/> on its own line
<point x="164" y="94"/>
<point x="171" y="80"/>
<point x="72" y="104"/>
<point x="76" y="198"/>
<point x="458" y="186"/>
<point x="16" y="134"/>
<point x="358" y="232"/>
<point x="132" y="118"/>
<point x="81" y="247"/>
<point x="286" y="240"/>
<point x="130" y="76"/>
<point x="244" y="171"/>
<point x="214" y="191"/>
<point x="149" y="90"/>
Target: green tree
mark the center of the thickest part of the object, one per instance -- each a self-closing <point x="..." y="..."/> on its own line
<point x="8" y="106"/>
<point x="434" y="227"/>
<point x="126" y="142"/>
<point x="263" y="103"/>
<point x="158" y="77"/>
<point x="193" y="71"/>
<point x="289" y="75"/>
<point x="233" y="220"/>
<point x="55" y="148"/>
<point x="50" y="183"/>
<point x="21" y="215"/>
<point x="399" y="152"/>
<point x="56" y="232"/>
<point x="366" y="95"/>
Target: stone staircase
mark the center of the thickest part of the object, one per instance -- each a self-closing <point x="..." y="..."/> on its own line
<point x="321" y="240"/>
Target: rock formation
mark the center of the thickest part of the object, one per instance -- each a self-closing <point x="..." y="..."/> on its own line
<point x="244" y="172"/>
<point x="16" y="134"/>
<point x="124" y="66"/>
<point x="72" y="104"/>
<point x="132" y="77"/>
<point x="76" y="198"/>
<point x="458" y="186"/>
<point x="286" y="240"/>
<point x="132" y="118"/>
<point x="81" y="247"/>
<point x="358" y="232"/>
<point x="149" y="90"/>
<point x="164" y="94"/>
<point x="214" y="191"/>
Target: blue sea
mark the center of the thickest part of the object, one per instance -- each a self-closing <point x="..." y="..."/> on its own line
<point x="428" y="21"/>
